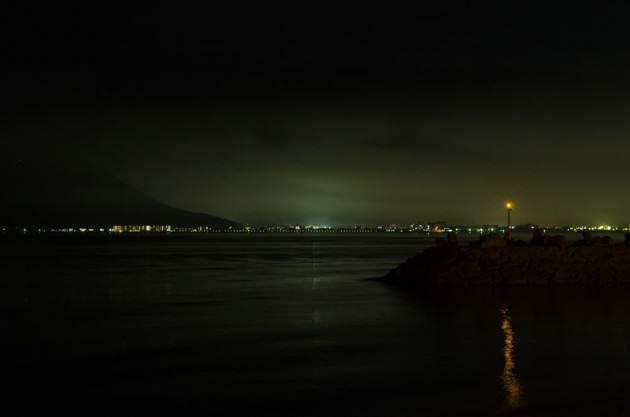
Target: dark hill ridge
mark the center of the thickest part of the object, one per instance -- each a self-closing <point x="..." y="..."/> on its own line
<point x="495" y="261"/>
<point x="44" y="195"/>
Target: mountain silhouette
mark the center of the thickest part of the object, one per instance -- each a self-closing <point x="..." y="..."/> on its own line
<point x="46" y="195"/>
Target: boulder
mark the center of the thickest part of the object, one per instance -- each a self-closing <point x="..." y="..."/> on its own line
<point x="492" y="240"/>
<point x="451" y="238"/>
<point x="440" y="241"/>
<point x="558" y="241"/>
<point x="538" y="239"/>
<point x="603" y="241"/>
<point x="587" y="236"/>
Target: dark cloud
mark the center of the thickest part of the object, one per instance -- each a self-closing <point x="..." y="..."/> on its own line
<point x="334" y="113"/>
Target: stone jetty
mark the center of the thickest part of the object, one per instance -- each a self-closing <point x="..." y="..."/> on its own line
<point x="494" y="260"/>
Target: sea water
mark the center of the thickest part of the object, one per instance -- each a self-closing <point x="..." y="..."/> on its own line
<point x="292" y="325"/>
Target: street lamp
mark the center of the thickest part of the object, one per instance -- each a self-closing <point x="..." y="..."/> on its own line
<point x="508" y="208"/>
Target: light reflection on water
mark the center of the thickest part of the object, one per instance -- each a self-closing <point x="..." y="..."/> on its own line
<point x="511" y="384"/>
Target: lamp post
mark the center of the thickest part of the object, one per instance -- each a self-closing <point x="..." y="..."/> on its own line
<point x="508" y="208"/>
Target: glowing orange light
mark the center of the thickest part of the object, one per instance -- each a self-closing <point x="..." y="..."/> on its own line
<point x="509" y="206"/>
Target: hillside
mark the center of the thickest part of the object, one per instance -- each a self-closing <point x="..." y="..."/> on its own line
<point x="53" y="196"/>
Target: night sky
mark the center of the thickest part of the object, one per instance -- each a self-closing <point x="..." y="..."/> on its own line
<point x="330" y="114"/>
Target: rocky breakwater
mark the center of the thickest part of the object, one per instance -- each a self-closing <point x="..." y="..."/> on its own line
<point x="493" y="260"/>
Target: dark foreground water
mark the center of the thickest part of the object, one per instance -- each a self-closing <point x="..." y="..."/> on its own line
<point x="272" y="325"/>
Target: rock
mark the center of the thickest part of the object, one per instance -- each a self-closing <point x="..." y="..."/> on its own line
<point x="512" y="276"/>
<point x="538" y="239"/>
<point x="492" y="240"/>
<point x="557" y="241"/>
<point x="603" y="241"/>
<point x="494" y="262"/>
<point x="440" y="241"/>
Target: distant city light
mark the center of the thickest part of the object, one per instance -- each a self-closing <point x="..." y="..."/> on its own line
<point x="416" y="227"/>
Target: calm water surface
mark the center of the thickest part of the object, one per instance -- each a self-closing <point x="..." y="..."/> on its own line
<point x="277" y="325"/>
